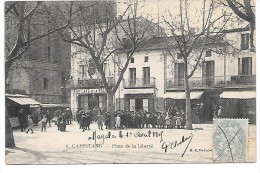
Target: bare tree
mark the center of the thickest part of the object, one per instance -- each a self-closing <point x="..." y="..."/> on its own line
<point x="107" y="36"/>
<point x="245" y="10"/>
<point x="25" y="23"/>
<point x="191" y="37"/>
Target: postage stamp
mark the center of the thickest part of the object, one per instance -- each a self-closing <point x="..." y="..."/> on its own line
<point x="230" y="140"/>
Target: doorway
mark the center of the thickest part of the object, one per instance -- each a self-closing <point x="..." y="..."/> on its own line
<point x="138" y="104"/>
<point x="210" y="73"/>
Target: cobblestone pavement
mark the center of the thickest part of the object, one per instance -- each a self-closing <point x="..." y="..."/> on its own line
<point x="117" y="146"/>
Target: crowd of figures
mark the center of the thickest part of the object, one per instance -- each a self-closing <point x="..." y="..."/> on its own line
<point x="61" y="117"/>
<point x="174" y="117"/>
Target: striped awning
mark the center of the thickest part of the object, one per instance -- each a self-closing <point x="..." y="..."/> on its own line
<point x="23" y="100"/>
<point x="182" y="95"/>
<point x="238" y="94"/>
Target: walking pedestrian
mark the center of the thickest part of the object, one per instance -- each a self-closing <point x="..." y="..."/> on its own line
<point x="30" y="124"/>
<point x="44" y="123"/>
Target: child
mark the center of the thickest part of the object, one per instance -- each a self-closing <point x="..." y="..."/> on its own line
<point x="30" y="124"/>
<point x="168" y="121"/>
<point x="117" y="121"/>
<point x="44" y="123"/>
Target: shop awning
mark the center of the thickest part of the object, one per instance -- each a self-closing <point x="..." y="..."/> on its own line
<point x="238" y="94"/>
<point x="182" y="95"/>
<point x="139" y="91"/>
<point x="23" y="100"/>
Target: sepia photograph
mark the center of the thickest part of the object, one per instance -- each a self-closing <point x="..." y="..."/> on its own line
<point x="129" y="82"/>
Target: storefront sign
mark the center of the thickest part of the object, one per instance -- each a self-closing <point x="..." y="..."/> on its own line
<point x="92" y="91"/>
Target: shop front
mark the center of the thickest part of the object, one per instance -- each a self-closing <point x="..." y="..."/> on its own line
<point x="89" y="99"/>
<point x="139" y="99"/>
<point x="137" y="102"/>
<point x="17" y="102"/>
<point x="178" y="99"/>
<point x="239" y="104"/>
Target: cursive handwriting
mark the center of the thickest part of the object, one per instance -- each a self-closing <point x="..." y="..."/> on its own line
<point x="174" y="144"/>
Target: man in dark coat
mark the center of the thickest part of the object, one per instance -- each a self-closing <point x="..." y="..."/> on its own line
<point x="78" y="115"/>
<point x="83" y="121"/>
<point x="88" y="120"/>
<point x="22" y="119"/>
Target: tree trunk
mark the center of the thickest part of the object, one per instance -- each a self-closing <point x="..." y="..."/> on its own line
<point x="111" y="107"/>
<point x="187" y="94"/>
<point x="9" y="137"/>
<point x="252" y="36"/>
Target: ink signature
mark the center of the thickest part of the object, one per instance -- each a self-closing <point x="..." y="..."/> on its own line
<point x="174" y="144"/>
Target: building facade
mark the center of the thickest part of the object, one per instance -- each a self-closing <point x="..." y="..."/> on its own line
<point x="87" y="88"/>
<point x="154" y="80"/>
<point x="43" y="71"/>
<point x="226" y="77"/>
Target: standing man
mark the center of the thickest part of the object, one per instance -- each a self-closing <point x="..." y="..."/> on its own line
<point x="197" y="114"/>
<point x="78" y="115"/>
<point x="70" y="115"/>
<point x="100" y="120"/>
<point x="48" y="117"/>
<point x="22" y="119"/>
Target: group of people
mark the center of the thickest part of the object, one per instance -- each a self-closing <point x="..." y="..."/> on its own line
<point x="173" y="118"/>
<point x="131" y="119"/>
<point x="60" y="117"/>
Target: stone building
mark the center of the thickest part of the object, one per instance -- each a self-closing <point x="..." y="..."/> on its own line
<point x="43" y="71"/>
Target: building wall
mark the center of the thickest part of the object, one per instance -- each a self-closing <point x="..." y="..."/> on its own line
<point x="19" y="78"/>
<point x="47" y="57"/>
<point x="156" y="64"/>
<point x="226" y="63"/>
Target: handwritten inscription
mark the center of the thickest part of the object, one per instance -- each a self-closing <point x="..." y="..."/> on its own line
<point x="176" y="143"/>
<point x="99" y="140"/>
<point x="124" y="134"/>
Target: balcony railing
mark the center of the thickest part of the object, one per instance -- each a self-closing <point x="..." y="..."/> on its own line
<point x="139" y="83"/>
<point x="215" y="81"/>
<point x="89" y="83"/>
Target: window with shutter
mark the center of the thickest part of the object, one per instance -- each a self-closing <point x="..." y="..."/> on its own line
<point x="245" y="41"/>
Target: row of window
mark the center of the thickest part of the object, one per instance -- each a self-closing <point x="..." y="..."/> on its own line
<point x="132" y="60"/>
<point x="179" y="56"/>
<point x="146" y="74"/>
<point x="244" y="68"/>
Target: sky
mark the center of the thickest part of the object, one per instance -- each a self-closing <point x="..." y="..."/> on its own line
<point x="169" y="10"/>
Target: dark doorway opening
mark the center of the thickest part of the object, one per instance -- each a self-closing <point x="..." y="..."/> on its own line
<point x="138" y="104"/>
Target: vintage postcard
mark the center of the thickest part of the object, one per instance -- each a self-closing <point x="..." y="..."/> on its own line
<point x="130" y="81"/>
